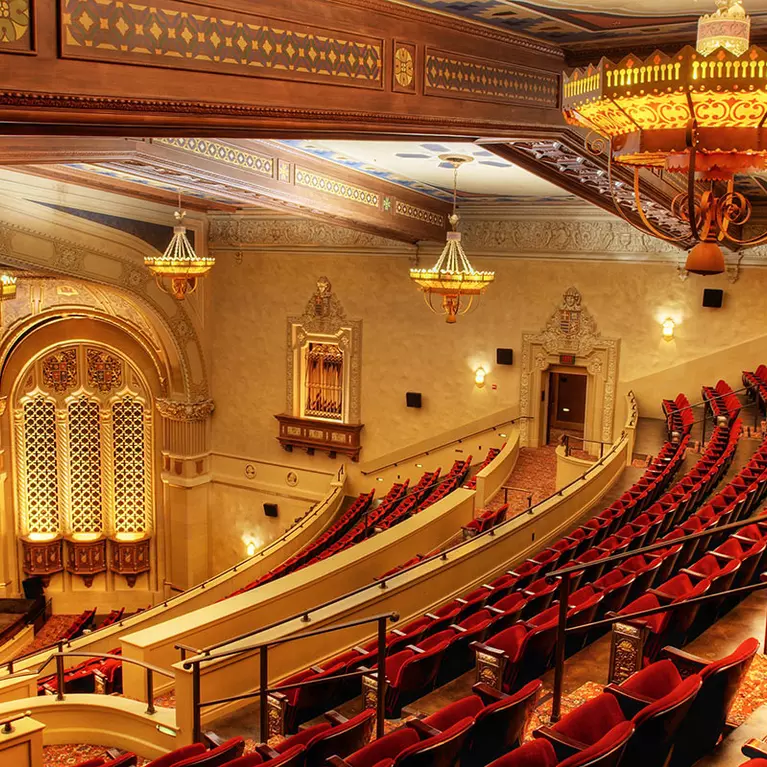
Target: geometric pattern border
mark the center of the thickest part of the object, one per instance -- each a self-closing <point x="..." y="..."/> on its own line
<point x="215" y="150"/>
<point x="420" y="214"/>
<point x="167" y="34"/>
<point x="336" y="187"/>
<point x="462" y="76"/>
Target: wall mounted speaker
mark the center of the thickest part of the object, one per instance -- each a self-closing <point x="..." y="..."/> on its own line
<point x="413" y="399"/>
<point x="504" y="356"/>
<point x="270" y="509"/>
<point x="713" y="297"/>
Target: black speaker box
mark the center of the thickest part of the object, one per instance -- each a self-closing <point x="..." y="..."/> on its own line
<point x="713" y="298"/>
<point x="504" y="356"/>
<point x="270" y="509"/>
<point x="33" y="587"/>
<point x="413" y="398"/>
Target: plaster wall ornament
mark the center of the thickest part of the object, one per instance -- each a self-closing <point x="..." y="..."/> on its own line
<point x="67" y="253"/>
<point x="571" y="330"/>
<point x="243" y="232"/>
<point x="185" y="411"/>
<point x="324" y="316"/>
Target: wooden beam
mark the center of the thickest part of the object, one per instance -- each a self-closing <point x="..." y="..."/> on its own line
<point x="336" y="67"/>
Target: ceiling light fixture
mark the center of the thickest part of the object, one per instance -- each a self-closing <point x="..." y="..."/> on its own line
<point x="179" y="264"/>
<point x="700" y="112"/>
<point x="452" y="277"/>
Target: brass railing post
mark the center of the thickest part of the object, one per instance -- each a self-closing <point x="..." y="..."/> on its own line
<point x="150" y="691"/>
<point x="381" y="692"/>
<point x="60" y="674"/>
<point x="559" y="660"/>
<point x="196" y="708"/>
<point x="263" y="696"/>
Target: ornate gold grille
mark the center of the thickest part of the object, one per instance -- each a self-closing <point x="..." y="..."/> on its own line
<point x="129" y="473"/>
<point x="324" y="381"/>
<point x="41" y="466"/>
<point x="85" y="501"/>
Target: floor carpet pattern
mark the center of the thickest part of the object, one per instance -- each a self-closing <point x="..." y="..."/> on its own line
<point x="49" y="634"/>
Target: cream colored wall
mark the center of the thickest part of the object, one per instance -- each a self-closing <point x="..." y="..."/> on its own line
<point x="405" y="348"/>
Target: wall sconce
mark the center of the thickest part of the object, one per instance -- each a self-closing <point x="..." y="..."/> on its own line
<point x="668" y="329"/>
<point x="479" y="377"/>
<point x="250" y="547"/>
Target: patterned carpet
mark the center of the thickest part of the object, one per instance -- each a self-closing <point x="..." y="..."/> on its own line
<point x="49" y="634"/>
<point x="535" y="472"/>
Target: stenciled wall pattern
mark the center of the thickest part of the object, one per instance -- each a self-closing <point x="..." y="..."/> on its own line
<point x="16" y="26"/>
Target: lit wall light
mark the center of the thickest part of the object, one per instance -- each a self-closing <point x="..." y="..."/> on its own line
<point x="419" y="466"/>
<point x="668" y="329"/>
<point x="251" y="545"/>
<point x="502" y="435"/>
<point x="379" y="479"/>
<point x="479" y="377"/>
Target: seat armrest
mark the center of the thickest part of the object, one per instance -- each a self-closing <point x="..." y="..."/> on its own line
<point x="337" y="761"/>
<point x="433" y="616"/>
<point x="461" y="601"/>
<point x="399" y="632"/>
<point x="459" y="629"/>
<point x="335" y="718"/>
<point x="415" y="648"/>
<point x="494" y="610"/>
<point x="719" y="555"/>
<point x="424" y="730"/>
<point x="267" y="751"/>
<point x="662" y="596"/>
<point x="754" y="748"/>
<point x="630" y="703"/>
<point x="487" y="693"/>
<point x="684" y="660"/>
<point x="361" y="650"/>
<point x="693" y="574"/>
<point x="563" y="746"/>
<point x="482" y="647"/>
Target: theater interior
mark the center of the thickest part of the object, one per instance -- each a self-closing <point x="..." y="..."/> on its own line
<point x="383" y="383"/>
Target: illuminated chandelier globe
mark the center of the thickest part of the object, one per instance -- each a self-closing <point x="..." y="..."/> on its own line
<point x="179" y="264"/>
<point x="453" y="280"/>
<point x="701" y="112"/>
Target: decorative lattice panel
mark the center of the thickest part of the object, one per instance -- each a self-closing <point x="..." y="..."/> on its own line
<point x="40" y="466"/>
<point x="129" y="468"/>
<point x="85" y="501"/>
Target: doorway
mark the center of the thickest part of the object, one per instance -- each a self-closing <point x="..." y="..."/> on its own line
<point x="566" y="412"/>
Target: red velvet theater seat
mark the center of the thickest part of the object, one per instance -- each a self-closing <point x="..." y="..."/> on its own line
<point x="536" y="753"/>
<point x="216" y="757"/>
<point x="179" y="755"/>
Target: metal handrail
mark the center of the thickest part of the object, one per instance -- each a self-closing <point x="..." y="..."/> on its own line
<point x="456" y="441"/>
<point x="443" y="555"/>
<point x="200" y="586"/>
<point x="264" y="690"/>
<point x="59" y="656"/>
<point x="5" y="724"/>
<point x="564" y="593"/>
<point x="568" y="449"/>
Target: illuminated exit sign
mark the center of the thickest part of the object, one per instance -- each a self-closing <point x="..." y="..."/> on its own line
<point x="566" y="359"/>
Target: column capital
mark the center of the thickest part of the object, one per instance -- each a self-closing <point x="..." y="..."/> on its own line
<point x="176" y="410"/>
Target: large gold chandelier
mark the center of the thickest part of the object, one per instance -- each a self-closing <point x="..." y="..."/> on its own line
<point x="179" y="264"/>
<point x="452" y="278"/>
<point x="700" y="111"/>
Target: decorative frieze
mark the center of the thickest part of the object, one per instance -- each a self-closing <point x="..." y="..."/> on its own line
<point x="185" y="411"/>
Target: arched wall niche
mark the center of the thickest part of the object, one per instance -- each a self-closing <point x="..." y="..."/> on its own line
<point x="144" y="381"/>
<point x="571" y="332"/>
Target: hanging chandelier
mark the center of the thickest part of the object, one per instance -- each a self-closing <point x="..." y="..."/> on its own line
<point x="453" y="279"/>
<point x="179" y="265"/>
<point x="700" y="112"/>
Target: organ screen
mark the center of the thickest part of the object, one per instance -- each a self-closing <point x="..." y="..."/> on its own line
<point x="324" y="384"/>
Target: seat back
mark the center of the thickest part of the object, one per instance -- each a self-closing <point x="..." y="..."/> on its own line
<point x="216" y="757"/>
<point x="606" y="752"/>
<point x="341" y="740"/>
<point x="498" y="727"/>
<point x="387" y="747"/>
<point x="179" y="755"/>
<point x="442" y="750"/>
<point x="535" y="753"/>
<point x="707" y="716"/>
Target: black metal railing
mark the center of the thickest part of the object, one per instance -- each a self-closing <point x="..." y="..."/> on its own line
<point x="60" y="657"/>
<point x="312" y="512"/>
<point x="5" y="724"/>
<point x="565" y="573"/>
<point x="442" y="555"/>
<point x="568" y="438"/>
<point x="510" y="489"/>
<point x="264" y="690"/>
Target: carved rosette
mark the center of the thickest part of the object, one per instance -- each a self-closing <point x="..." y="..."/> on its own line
<point x="185" y="411"/>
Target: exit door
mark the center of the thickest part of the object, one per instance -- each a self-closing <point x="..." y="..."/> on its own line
<point x="567" y="402"/>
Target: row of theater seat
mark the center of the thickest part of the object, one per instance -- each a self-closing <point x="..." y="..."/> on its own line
<point x="360" y="520"/>
<point x="492" y="454"/>
<point x="524" y="650"/>
<point x="679" y="415"/>
<point x="99" y="675"/>
<point x="437" y="646"/>
<point x="722" y="400"/>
